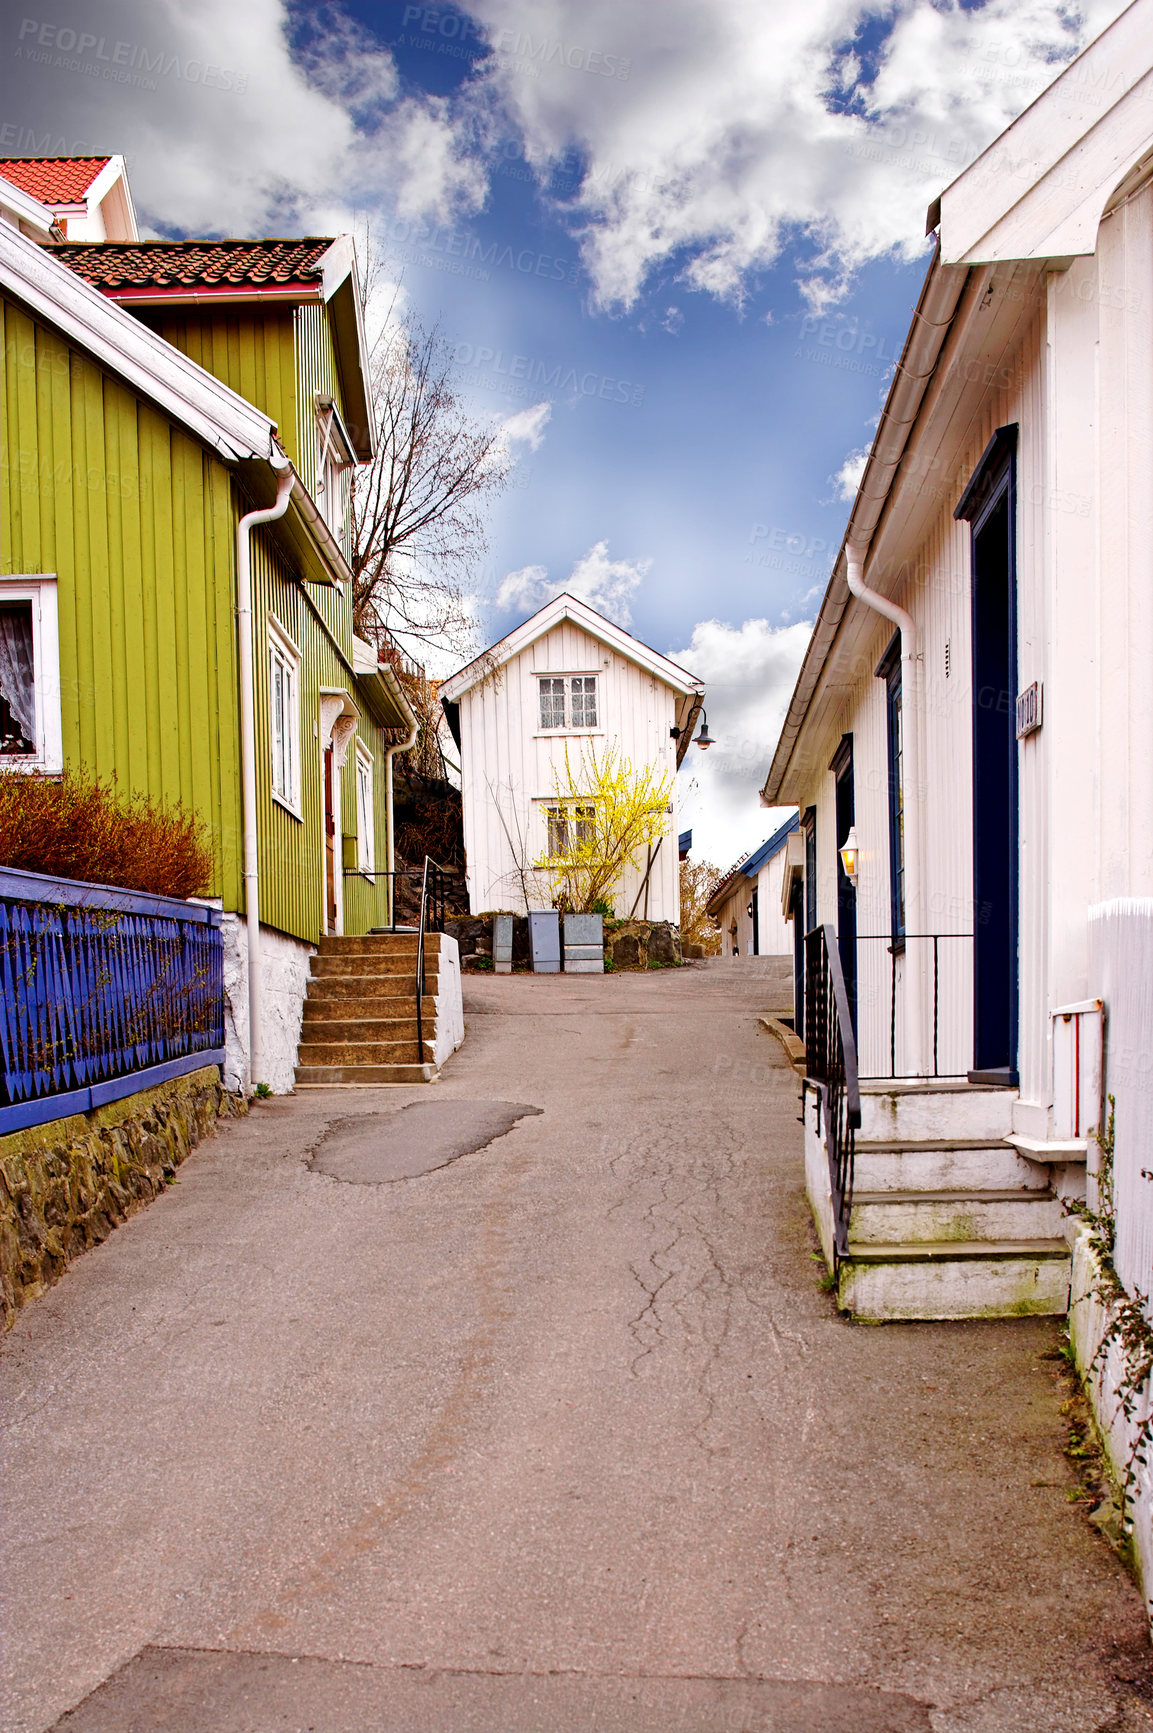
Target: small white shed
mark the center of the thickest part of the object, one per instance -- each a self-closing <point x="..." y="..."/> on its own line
<point x="565" y="679"/>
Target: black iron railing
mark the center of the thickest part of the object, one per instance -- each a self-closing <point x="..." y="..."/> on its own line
<point x="432" y="913"/>
<point x="831" y="1065"/>
<point x="945" y="964"/>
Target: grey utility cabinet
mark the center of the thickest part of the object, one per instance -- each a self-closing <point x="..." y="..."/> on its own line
<point x="502" y="944"/>
<point x="584" y="944"/>
<point x="544" y="937"/>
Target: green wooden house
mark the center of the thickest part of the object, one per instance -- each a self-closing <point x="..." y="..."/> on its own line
<point x="153" y="396"/>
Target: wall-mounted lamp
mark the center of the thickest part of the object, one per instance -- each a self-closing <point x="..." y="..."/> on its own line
<point x="850" y="855"/>
<point x="704" y="738"/>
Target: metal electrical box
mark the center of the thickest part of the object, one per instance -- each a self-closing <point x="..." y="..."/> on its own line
<point x="503" y="945"/>
<point x="584" y="945"/>
<point x="544" y="937"/>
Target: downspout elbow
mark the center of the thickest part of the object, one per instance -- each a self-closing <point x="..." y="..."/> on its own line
<point x="899" y="617"/>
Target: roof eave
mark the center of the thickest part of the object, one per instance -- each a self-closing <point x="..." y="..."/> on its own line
<point x="559" y="608"/>
<point x="932" y="319"/>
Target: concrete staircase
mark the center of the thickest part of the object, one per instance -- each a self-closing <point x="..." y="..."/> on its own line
<point x="949" y="1220"/>
<point x="360" y="1014"/>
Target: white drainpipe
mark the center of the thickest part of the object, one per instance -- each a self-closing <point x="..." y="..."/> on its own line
<point x="911" y="787"/>
<point x="248" y="761"/>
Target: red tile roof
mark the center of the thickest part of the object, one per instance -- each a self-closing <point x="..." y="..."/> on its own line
<point x="119" y="265"/>
<point x="54" y="180"/>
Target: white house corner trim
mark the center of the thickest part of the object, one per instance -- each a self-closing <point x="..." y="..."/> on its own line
<point x="449" y="1002"/>
<point x="284" y="972"/>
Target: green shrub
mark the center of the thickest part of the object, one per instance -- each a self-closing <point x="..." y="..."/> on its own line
<point x="76" y="827"/>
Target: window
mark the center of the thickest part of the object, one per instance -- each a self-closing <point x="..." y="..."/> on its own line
<point x="30" y="735"/>
<point x="584" y="701"/>
<point x="284" y="717"/>
<point x="365" y="828"/>
<point x="569" y="829"/>
<point x="552" y="703"/>
<point x="889" y="670"/>
<point x="568" y="701"/>
<point x="334" y="455"/>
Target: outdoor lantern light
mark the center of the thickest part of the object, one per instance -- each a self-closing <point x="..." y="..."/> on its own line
<point x="850" y="854"/>
<point x="704" y="738"/>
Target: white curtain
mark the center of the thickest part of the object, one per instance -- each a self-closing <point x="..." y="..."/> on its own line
<point x="17" y="667"/>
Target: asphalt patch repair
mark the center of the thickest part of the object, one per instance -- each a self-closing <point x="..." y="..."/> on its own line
<point x="378" y="1149"/>
<point x="221" y="1691"/>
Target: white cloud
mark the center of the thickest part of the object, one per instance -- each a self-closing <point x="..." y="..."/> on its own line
<point x="749" y="672"/>
<point x="606" y="585"/>
<point x="527" y="426"/>
<point x="226" y="131"/>
<point x="714" y="134"/>
<point x="848" y="478"/>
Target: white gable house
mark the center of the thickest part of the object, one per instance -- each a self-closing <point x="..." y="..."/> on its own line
<point x="566" y="681"/>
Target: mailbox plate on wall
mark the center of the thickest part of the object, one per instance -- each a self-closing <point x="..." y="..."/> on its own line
<point x="1029" y="710"/>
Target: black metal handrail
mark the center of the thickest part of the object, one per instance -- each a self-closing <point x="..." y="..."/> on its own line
<point x="432" y="914"/>
<point x="901" y="946"/>
<point x="831" y="1063"/>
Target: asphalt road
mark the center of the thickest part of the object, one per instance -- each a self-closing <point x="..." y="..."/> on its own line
<point x="559" y="1434"/>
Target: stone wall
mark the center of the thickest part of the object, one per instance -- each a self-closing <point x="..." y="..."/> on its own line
<point x="641" y="944"/>
<point x="64" y="1186"/>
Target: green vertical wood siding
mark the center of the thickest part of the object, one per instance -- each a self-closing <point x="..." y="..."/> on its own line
<point x="253" y="351"/>
<point x="136" y="520"/>
<point x="292" y="849"/>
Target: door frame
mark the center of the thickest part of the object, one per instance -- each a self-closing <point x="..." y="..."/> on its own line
<point x="993" y="487"/>
<point x="844" y="817"/>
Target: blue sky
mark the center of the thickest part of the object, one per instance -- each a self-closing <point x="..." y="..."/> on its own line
<point x="674" y="246"/>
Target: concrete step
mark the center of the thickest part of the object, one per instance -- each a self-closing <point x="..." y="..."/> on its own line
<point x="944" y="1279"/>
<point x="394" y="1052"/>
<point x="359" y="966"/>
<point x="361" y="1076"/>
<point x="327" y="1029"/>
<point x="377" y="945"/>
<point x="915" y="1218"/>
<point x="939" y="1165"/>
<point x="328" y="1008"/>
<point x="351" y="990"/>
<point x="922" y="1111"/>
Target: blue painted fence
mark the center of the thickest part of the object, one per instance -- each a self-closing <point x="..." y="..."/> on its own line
<point x="102" y="992"/>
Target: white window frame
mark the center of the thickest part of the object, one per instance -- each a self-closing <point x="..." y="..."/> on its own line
<point x="568" y="728"/>
<point x="333" y="456"/>
<point x="282" y="649"/>
<point x="365" y="812"/>
<point x="40" y="589"/>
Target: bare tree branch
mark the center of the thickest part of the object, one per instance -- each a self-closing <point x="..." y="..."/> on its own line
<point x="418" y="523"/>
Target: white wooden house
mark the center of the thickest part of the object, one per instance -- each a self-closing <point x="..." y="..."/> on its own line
<point x="970" y="743"/>
<point x="747" y="904"/>
<point x="566" y="681"/>
<point x="973" y="726"/>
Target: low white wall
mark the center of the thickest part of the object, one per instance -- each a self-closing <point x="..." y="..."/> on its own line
<point x="284" y="969"/>
<point x="1087" y="1322"/>
<point x="449" y="1004"/>
<point x="817" y="1183"/>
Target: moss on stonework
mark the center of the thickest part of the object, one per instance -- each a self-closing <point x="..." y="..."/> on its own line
<point x="64" y="1186"/>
